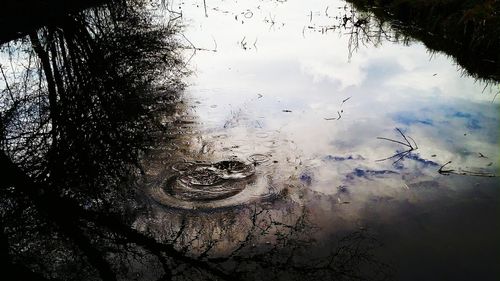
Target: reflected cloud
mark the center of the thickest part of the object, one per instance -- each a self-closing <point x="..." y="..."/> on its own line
<point x="409" y="118"/>
<point x="343" y="158"/>
<point x="368" y="174"/>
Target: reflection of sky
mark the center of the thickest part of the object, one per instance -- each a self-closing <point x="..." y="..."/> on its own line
<point x="290" y="68"/>
<point x="283" y="96"/>
<point x="291" y="86"/>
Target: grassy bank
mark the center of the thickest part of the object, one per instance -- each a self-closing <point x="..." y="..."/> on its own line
<point x="469" y="30"/>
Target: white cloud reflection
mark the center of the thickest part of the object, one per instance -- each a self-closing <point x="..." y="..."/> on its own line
<point x="293" y="79"/>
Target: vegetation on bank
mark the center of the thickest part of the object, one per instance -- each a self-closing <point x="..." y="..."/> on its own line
<point x="18" y="17"/>
<point x="467" y="30"/>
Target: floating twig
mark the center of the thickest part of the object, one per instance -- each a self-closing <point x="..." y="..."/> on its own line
<point x="442" y="171"/>
<point x="461" y="172"/>
<point x="400" y="155"/>
<point x="345" y="100"/>
<point x="338" y="112"/>
<point x="195" y="49"/>
<point x="215" y="45"/>
<point x="243" y="43"/>
<point x="271" y="20"/>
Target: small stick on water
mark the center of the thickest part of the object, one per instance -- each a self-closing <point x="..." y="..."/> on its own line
<point x="338" y="112"/>
<point x="243" y="43"/>
<point x="445" y="172"/>
<point x="215" y="44"/>
<point x="461" y="172"/>
<point x="407" y="143"/>
<point x="205" y="6"/>
<point x="345" y="100"/>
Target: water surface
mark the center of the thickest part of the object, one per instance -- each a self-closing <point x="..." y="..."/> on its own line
<point x="363" y="134"/>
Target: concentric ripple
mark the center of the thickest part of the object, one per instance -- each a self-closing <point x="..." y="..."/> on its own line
<point x="199" y="185"/>
<point x="258" y="158"/>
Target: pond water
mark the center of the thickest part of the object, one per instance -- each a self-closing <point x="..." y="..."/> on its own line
<point x="287" y="110"/>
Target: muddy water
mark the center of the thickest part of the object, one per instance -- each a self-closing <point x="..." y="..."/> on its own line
<point x="286" y="112"/>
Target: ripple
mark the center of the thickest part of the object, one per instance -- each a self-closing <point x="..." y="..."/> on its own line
<point x="207" y="181"/>
<point x="200" y="176"/>
<point x="234" y="170"/>
<point x="181" y="166"/>
<point x="202" y="185"/>
<point x="271" y="144"/>
<point x="258" y="158"/>
<point x="262" y="135"/>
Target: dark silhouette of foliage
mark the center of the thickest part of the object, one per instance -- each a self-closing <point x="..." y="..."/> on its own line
<point x="465" y="30"/>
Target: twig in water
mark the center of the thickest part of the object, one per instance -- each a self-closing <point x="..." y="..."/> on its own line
<point x="335" y="118"/>
<point x="345" y="101"/>
<point x="338" y="112"/>
<point x="461" y="172"/>
<point x="271" y="21"/>
<point x="243" y="43"/>
<point x="411" y="147"/>
<point x="215" y="44"/>
<point x="194" y="48"/>
<point x="445" y="172"/>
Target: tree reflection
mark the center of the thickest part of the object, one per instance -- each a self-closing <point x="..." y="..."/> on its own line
<point x="464" y="31"/>
<point x="82" y="102"/>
